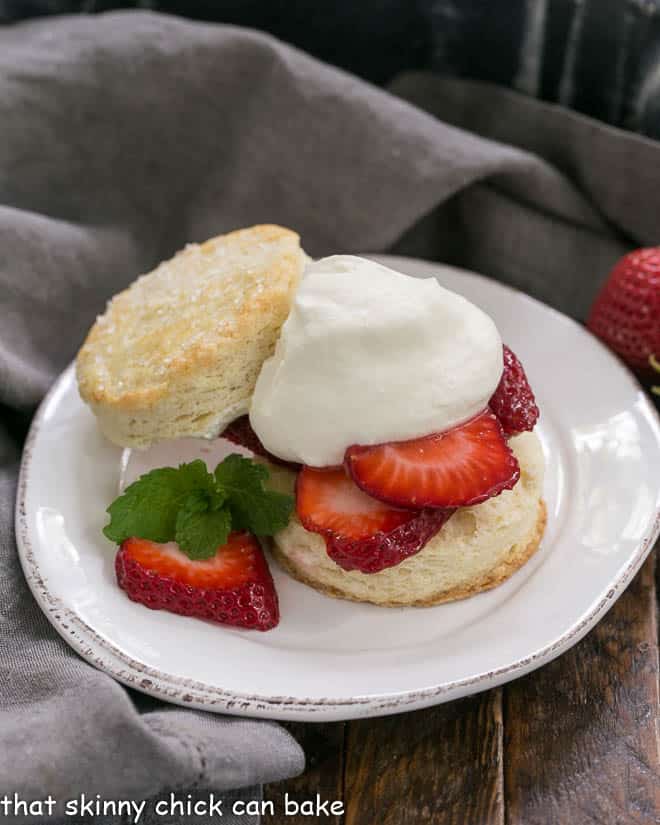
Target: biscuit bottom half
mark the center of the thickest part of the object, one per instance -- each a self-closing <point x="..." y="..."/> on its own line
<point x="477" y="549"/>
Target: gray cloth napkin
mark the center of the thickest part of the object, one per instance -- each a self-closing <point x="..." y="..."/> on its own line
<point x="126" y="135"/>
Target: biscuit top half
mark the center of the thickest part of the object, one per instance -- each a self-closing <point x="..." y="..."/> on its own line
<point x="177" y="320"/>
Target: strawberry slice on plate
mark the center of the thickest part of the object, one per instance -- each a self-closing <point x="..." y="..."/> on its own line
<point x="456" y="468"/>
<point x="234" y="587"/>
<point x="361" y="533"/>
<point x="513" y="401"/>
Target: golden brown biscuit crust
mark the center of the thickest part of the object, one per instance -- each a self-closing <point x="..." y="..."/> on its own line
<point x="178" y="353"/>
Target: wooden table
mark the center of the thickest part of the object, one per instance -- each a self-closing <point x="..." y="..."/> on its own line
<point x="574" y="743"/>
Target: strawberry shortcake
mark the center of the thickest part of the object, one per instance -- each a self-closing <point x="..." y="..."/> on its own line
<point x="393" y="458"/>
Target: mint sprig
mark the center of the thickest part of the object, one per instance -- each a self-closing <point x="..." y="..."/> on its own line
<point x="198" y="509"/>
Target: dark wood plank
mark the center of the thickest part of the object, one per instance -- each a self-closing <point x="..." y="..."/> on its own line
<point x="324" y="773"/>
<point x="440" y="766"/>
<point x="581" y="738"/>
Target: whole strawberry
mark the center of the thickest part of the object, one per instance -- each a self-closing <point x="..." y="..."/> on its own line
<point x="626" y="312"/>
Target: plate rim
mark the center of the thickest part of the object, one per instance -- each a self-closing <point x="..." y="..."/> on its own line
<point x="102" y="654"/>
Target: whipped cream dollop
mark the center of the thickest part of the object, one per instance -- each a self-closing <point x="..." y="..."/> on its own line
<point x="369" y="355"/>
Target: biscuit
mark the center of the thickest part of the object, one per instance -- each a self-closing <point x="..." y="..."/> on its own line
<point x="178" y="353"/>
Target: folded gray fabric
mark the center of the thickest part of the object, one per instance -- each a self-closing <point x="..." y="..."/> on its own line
<point x="126" y="135"/>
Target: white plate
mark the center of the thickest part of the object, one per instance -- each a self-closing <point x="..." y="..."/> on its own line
<point x="332" y="659"/>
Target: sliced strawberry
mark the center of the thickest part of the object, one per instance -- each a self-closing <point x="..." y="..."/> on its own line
<point x="233" y="587"/>
<point x="459" y="467"/>
<point x="240" y="432"/>
<point x="513" y="401"/>
<point x="360" y="532"/>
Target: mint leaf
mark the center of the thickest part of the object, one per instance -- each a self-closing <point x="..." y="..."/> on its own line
<point x="200" y="528"/>
<point x="262" y="512"/>
<point x="148" y="508"/>
<point x="198" y="509"/>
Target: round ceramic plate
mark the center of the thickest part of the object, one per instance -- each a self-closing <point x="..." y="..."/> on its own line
<point x="332" y="659"/>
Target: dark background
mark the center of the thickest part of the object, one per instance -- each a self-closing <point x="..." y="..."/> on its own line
<point x="600" y="57"/>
